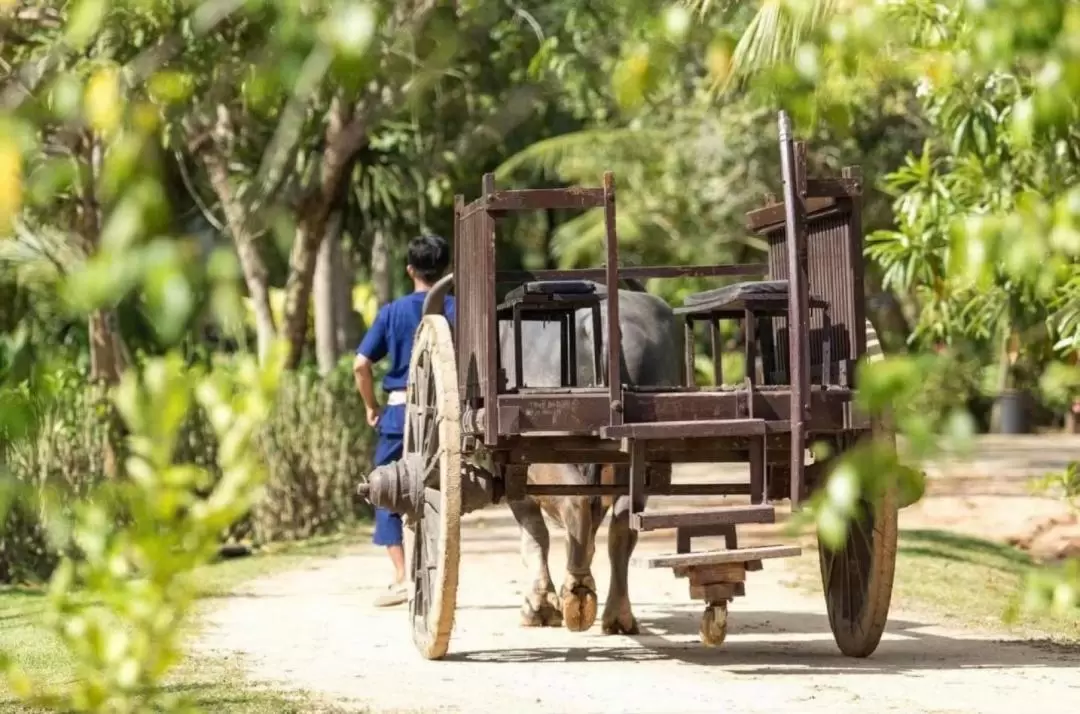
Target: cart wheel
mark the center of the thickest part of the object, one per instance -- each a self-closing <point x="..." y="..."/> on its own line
<point x="714" y="624"/>
<point x="858" y="578"/>
<point x="432" y="432"/>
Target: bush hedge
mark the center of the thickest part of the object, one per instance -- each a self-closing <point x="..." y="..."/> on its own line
<point x="317" y="447"/>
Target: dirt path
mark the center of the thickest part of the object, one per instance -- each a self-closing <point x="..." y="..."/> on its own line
<point x="315" y="630"/>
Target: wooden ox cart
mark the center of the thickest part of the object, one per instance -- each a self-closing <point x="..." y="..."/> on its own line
<point x="470" y="437"/>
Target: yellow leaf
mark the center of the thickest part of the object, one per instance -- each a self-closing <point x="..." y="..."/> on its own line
<point x="20" y="683"/>
<point x="364" y="302"/>
<point x="11" y="184"/>
<point x="102" y="102"/>
<point x="718" y="60"/>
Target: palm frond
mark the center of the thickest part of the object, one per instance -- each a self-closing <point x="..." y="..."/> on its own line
<point x="561" y="155"/>
<point x="702" y="7"/>
<point x="578" y="241"/>
<point x="44" y="254"/>
<point x="774" y="35"/>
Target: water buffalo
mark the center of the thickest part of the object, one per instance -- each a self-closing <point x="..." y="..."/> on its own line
<point x="651" y="347"/>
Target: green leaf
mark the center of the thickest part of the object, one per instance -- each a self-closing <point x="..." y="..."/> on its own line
<point x="832" y="527"/>
<point x="84" y="20"/>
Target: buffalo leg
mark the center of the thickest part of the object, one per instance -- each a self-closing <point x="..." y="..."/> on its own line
<point x="618" y="618"/>
<point x="578" y="593"/>
<point x="541" y="607"/>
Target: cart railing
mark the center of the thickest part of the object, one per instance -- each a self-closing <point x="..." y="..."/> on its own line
<point x="817" y="221"/>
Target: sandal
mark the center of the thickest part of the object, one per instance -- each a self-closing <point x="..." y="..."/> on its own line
<point x="396" y="593"/>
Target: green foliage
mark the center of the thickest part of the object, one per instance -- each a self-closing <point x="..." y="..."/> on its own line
<point x="985" y="236"/>
<point x="56" y="464"/>
<point x="861" y="474"/>
<point x="314" y="443"/>
<point x="316" y="446"/>
<point x="121" y="593"/>
<point x="108" y="152"/>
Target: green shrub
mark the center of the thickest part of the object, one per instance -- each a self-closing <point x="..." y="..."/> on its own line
<point x="120" y="596"/>
<point x="65" y="451"/>
<point x="315" y="444"/>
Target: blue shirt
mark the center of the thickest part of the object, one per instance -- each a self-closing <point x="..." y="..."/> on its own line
<point x="392" y="335"/>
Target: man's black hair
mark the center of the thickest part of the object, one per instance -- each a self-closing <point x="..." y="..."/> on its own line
<point x="429" y="256"/>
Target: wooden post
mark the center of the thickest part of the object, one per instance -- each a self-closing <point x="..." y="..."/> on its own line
<point x="614" y="340"/>
<point x="794" y="173"/>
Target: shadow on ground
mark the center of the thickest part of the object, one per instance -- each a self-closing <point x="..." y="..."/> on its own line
<point x="803" y="645"/>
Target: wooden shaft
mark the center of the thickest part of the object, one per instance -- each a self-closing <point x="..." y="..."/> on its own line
<point x="614" y="341"/>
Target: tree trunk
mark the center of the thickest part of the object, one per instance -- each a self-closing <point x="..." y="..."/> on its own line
<point x="346" y="333"/>
<point x="1003" y="382"/>
<point x="108" y="360"/>
<point x="108" y="356"/>
<point x="256" y="276"/>
<point x="326" y="285"/>
<point x="380" y="267"/>
<point x="310" y="231"/>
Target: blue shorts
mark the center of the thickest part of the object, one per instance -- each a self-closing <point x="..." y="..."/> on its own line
<point x="388" y="449"/>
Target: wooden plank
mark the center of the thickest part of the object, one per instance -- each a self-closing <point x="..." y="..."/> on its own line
<point x="715" y="557"/>
<point x="684" y="571"/>
<point x="614" y="489"/>
<point x="587" y="413"/>
<point x="772" y="216"/>
<point x="685" y="429"/>
<point x="724" y="515"/>
<point x="718" y="592"/>
<point x="544" y="198"/>
<point x="640" y="272"/>
<point x="723" y="573"/>
<point x="833" y="187"/>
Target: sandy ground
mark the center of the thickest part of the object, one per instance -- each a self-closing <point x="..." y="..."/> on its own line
<point x="315" y="630"/>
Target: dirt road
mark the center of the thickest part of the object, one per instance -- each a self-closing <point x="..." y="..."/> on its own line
<point x="315" y="630"/>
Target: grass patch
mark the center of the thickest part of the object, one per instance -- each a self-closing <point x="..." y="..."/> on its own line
<point x="960" y="580"/>
<point x="214" y="685"/>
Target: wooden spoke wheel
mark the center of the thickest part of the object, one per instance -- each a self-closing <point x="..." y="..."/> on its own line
<point x="858" y="578"/>
<point x="433" y="433"/>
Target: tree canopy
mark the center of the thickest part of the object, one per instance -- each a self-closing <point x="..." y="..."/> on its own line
<point x="202" y="199"/>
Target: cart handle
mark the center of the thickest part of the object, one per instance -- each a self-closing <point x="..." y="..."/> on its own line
<point x="435" y="300"/>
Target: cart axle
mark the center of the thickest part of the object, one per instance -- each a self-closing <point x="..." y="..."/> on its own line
<point x="398" y="487"/>
<point x="395" y="486"/>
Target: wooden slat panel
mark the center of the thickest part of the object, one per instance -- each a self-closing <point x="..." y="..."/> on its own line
<point x="715" y="557"/>
<point x="724" y="515"/>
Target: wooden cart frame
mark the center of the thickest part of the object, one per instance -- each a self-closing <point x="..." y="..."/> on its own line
<point x="805" y="321"/>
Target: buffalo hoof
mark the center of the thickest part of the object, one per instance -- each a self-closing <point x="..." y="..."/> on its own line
<point x="619" y="621"/>
<point x="714" y="625"/>
<point x="541" y="610"/>
<point x="579" y="605"/>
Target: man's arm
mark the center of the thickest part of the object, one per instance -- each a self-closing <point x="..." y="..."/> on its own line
<point x="372" y="348"/>
<point x="365" y="384"/>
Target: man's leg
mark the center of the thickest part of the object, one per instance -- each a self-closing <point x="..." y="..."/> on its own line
<point x="388" y="533"/>
<point x="388" y="529"/>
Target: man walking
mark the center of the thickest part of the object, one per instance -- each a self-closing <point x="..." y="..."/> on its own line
<point x="391" y="335"/>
